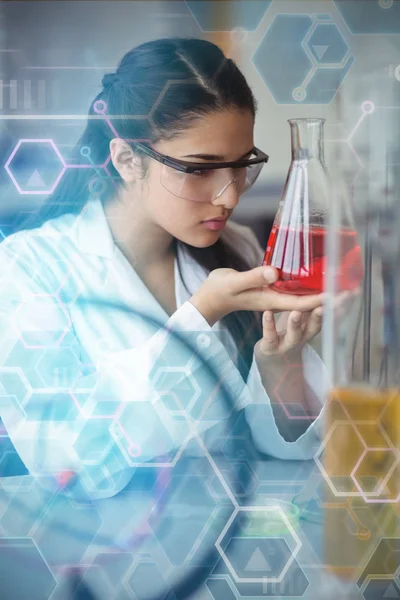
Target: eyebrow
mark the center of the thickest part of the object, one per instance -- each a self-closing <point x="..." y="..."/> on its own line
<point x="211" y="157"/>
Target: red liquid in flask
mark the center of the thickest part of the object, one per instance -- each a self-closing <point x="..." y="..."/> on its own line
<point x="299" y="256"/>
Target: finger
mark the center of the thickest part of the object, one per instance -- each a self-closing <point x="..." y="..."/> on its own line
<point x="254" y="278"/>
<point x="314" y="324"/>
<point x="277" y="301"/>
<point x="281" y="320"/>
<point x="294" y="331"/>
<point x="304" y="319"/>
<point x="269" y="343"/>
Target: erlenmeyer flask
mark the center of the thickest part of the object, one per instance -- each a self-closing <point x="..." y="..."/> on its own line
<point x="296" y="246"/>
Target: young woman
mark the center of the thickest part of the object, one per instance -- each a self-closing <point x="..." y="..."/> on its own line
<point x="90" y="389"/>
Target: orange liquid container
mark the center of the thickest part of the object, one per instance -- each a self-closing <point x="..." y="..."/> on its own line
<point x="362" y="481"/>
<point x="299" y="256"/>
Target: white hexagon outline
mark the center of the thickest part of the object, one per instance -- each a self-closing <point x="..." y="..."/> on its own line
<point x="192" y="432"/>
<point x="90" y="484"/>
<point x="312" y="67"/>
<point x="320" y="466"/>
<point x="214" y="477"/>
<point x="187" y="373"/>
<point x="46" y="351"/>
<point x="290" y="560"/>
<point x="136" y="562"/>
<point x="366" y="496"/>
<point x="315" y="66"/>
<point x="307" y="50"/>
<point x="26" y="383"/>
<point x="116" y="424"/>
<point x="73" y="504"/>
<point x="102" y="454"/>
<point x="37" y="141"/>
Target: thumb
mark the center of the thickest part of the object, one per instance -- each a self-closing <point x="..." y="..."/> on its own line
<point x="255" y="278"/>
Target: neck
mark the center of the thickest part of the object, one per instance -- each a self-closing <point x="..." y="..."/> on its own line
<point x="144" y="243"/>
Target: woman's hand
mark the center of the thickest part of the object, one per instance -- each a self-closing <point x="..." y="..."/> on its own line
<point x="227" y="290"/>
<point x="278" y="355"/>
<point x="290" y="333"/>
<point x="280" y="350"/>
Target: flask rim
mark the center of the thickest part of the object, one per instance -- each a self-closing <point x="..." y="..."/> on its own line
<point x="307" y="120"/>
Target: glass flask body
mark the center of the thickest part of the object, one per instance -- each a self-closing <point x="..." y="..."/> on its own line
<point x="296" y="246"/>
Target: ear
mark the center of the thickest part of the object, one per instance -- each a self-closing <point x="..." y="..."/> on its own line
<point x="124" y="159"/>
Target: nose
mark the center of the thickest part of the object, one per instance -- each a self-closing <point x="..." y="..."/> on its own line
<point x="228" y="196"/>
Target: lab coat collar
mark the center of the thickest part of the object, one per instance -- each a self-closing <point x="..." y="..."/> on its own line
<point x="93" y="234"/>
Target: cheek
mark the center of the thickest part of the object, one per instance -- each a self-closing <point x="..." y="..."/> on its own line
<point x="169" y="210"/>
<point x="179" y="217"/>
<point x="177" y="214"/>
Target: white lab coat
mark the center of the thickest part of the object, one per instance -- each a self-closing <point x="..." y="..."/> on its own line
<point x="99" y="392"/>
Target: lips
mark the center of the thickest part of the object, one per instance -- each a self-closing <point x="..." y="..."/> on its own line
<point x="216" y="219"/>
<point x="215" y="224"/>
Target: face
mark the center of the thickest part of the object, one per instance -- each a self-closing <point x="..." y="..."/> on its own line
<point x="222" y="136"/>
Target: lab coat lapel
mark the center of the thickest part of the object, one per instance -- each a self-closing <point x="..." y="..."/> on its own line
<point x="113" y="278"/>
<point x="133" y="291"/>
<point x="121" y="281"/>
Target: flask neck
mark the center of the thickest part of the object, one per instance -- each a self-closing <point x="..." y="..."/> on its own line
<point x="307" y="139"/>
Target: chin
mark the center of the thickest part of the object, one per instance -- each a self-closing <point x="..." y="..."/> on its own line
<point x="203" y="241"/>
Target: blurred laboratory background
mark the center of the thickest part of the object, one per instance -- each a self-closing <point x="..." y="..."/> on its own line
<point x="336" y="59"/>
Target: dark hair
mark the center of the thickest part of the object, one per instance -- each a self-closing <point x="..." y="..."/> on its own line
<point x="158" y="89"/>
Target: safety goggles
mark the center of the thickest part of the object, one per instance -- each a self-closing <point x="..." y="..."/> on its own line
<point x="206" y="181"/>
